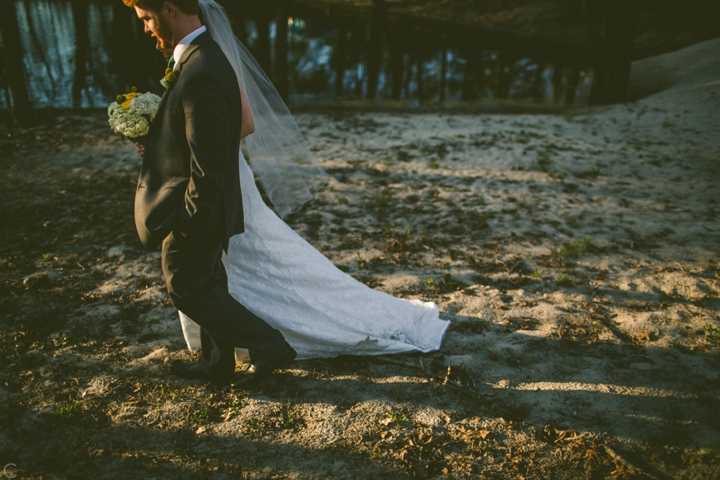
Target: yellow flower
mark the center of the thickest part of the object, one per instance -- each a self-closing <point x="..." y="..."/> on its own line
<point x="130" y="96"/>
<point x="168" y="70"/>
<point x="126" y="104"/>
<point x="171" y="77"/>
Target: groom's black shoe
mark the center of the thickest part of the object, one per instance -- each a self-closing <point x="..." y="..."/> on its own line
<point x="263" y="369"/>
<point x="221" y="372"/>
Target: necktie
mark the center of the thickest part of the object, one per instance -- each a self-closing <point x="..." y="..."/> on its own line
<point x="171" y="63"/>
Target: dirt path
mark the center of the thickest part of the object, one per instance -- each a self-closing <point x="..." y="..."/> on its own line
<point x="577" y="257"/>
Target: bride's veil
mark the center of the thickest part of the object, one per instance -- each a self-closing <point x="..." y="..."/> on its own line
<point x="278" y="153"/>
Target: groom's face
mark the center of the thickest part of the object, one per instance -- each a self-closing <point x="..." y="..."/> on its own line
<point x="158" y="25"/>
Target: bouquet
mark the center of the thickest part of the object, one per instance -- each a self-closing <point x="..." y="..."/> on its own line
<point x="130" y="115"/>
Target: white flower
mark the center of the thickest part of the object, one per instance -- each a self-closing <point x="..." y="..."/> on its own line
<point x="135" y="121"/>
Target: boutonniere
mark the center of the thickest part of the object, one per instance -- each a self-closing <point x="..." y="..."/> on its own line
<point x="169" y="78"/>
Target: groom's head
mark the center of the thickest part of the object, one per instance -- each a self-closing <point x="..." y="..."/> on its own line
<point x="167" y="21"/>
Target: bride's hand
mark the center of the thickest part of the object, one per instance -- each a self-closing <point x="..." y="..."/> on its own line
<point x="141" y="149"/>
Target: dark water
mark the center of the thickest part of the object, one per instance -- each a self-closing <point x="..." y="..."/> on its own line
<point x="107" y="40"/>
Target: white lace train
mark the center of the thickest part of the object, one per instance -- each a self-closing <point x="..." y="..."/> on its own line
<point x="321" y="311"/>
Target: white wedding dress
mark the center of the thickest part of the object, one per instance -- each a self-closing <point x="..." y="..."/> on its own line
<point x="321" y="311"/>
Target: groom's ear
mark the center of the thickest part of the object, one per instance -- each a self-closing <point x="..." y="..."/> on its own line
<point x="170" y="9"/>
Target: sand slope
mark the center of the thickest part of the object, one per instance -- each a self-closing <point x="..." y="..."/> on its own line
<point x="576" y="255"/>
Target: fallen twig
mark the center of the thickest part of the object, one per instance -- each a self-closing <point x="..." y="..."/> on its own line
<point x="337" y="406"/>
<point x="575" y="437"/>
<point x="615" y="456"/>
<point x="466" y="390"/>
<point x="400" y="363"/>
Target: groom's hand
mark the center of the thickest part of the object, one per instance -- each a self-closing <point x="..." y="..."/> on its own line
<point x="141" y="149"/>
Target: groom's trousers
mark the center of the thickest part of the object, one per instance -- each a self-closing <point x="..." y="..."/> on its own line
<point x="197" y="284"/>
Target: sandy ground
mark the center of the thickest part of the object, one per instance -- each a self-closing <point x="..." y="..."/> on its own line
<point x="576" y="255"/>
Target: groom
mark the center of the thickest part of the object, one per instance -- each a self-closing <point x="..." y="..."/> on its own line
<point x="188" y="196"/>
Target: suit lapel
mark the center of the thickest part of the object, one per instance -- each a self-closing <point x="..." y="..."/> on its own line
<point x="194" y="45"/>
<point x="200" y="40"/>
<point x="161" y="108"/>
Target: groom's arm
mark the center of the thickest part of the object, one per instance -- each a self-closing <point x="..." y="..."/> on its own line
<point x="208" y="109"/>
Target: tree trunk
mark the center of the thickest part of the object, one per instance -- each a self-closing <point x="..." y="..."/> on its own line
<point x="359" y="80"/>
<point x="420" y="78"/>
<point x="396" y="65"/>
<point x="539" y="84"/>
<point x="262" y="25"/>
<point x="3" y="80"/>
<point x="234" y="10"/>
<point x="339" y="58"/>
<point x="377" y="21"/>
<point x="15" y="70"/>
<point x="124" y="59"/>
<point x="282" y="69"/>
<point x="443" y="75"/>
<point x="82" y="49"/>
<point x="572" y="84"/>
<point x="407" y="77"/>
<point x="507" y="65"/>
<point x="611" y="81"/>
<point x="557" y="80"/>
<point x="151" y="63"/>
<point x="470" y="76"/>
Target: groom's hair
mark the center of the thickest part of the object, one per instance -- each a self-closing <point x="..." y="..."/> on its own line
<point x="188" y="7"/>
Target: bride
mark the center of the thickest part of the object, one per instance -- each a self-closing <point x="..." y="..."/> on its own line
<point x="275" y="273"/>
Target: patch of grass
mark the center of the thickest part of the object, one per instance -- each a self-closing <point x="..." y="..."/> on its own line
<point x="592" y="173"/>
<point x="383" y="200"/>
<point x="543" y="161"/>
<point x="67" y="409"/>
<point x="360" y="261"/>
<point x="404" y="156"/>
<point x="250" y="428"/>
<point x="396" y="417"/>
<point x="287" y="420"/>
<point x="200" y="416"/>
<point x="430" y="281"/>
<point x="712" y="335"/>
<point x="564" y="280"/>
<point x="536" y="274"/>
<point x="572" y="250"/>
<point x="457" y="230"/>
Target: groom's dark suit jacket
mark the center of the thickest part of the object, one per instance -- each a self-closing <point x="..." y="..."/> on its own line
<point x="189" y="176"/>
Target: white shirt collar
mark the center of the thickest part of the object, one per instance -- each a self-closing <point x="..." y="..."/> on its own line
<point x="185" y="43"/>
